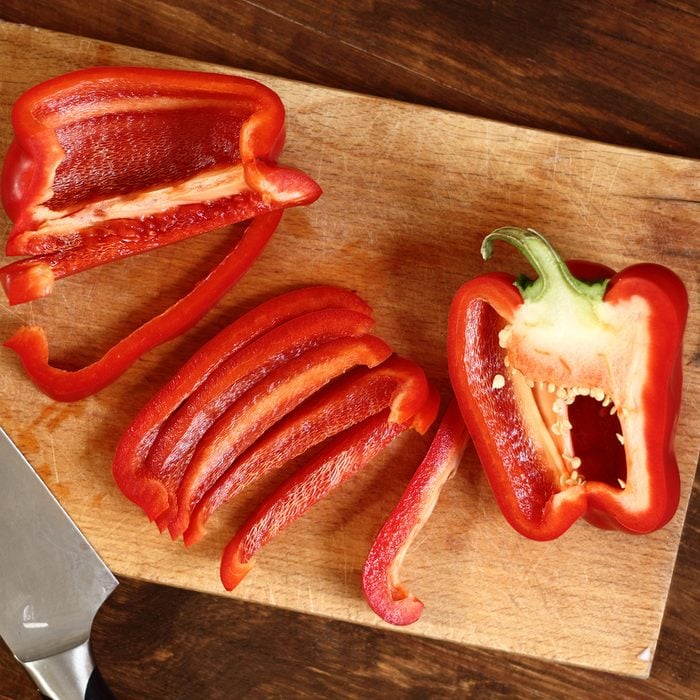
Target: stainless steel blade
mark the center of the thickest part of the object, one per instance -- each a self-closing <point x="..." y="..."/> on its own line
<point x="52" y="582"/>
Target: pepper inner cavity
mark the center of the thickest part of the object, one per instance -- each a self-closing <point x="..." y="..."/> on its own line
<point x="584" y="425"/>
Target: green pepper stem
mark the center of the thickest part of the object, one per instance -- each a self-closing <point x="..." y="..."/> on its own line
<point x="553" y="275"/>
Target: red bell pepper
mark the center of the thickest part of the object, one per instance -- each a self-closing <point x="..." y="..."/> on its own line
<point x="571" y="389"/>
<point x="343" y="457"/>
<point x="380" y="574"/>
<point x="130" y="468"/>
<point x="111" y="162"/>
<point x="31" y="344"/>
<point x="397" y="384"/>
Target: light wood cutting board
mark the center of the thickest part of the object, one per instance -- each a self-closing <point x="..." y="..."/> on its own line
<point x="409" y="194"/>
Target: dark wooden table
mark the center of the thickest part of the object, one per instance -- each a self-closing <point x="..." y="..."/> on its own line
<point x="624" y="73"/>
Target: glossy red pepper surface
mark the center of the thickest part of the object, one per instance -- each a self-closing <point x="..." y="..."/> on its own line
<point x="111" y="162"/>
<point x="31" y="343"/>
<point x="338" y="461"/>
<point x="296" y="372"/>
<point x="571" y="389"/>
<point x="381" y="573"/>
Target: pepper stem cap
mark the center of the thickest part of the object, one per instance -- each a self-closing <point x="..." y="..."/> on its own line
<point x="553" y="275"/>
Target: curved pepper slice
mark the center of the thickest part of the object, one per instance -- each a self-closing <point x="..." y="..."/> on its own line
<point x="110" y="162"/>
<point x="180" y="434"/>
<point x="380" y="574"/>
<point x="129" y="466"/>
<point x="260" y="407"/>
<point x="396" y="383"/>
<point x="31" y="344"/>
<point x="346" y="455"/>
<point x="571" y="390"/>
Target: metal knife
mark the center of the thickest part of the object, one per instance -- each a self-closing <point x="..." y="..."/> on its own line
<point x="52" y="583"/>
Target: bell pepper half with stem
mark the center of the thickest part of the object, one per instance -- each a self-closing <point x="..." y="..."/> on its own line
<point x="113" y="161"/>
<point x="397" y="384"/>
<point x="344" y="456"/>
<point x="570" y="386"/>
<point x="381" y="582"/>
<point x="154" y="492"/>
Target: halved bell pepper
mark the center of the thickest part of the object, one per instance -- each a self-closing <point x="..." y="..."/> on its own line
<point x="340" y="459"/>
<point x="571" y="389"/>
<point x="381" y="583"/>
<point x="113" y="161"/>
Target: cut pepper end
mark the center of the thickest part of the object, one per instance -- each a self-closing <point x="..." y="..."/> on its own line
<point x="232" y="569"/>
<point x="25" y="281"/>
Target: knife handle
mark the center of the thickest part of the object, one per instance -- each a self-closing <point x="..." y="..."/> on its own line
<point x="70" y="675"/>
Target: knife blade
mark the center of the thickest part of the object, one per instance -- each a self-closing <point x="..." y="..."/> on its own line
<point x="52" y="583"/>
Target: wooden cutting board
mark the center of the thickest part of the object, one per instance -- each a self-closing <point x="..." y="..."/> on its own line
<point x="409" y="194"/>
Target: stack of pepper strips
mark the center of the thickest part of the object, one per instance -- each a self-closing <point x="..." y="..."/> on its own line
<point x="113" y="162"/>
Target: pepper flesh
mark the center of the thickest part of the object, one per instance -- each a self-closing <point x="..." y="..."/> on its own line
<point x="343" y="457"/>
<point x="31" y="344"/>
<point x="380" y="575"/>
<point x="110" y="162"/>
<point x="395" y="383"/>
<point x="261" y="407"/>
<point x="545" y="370"/>
<point x="130" y="469"/>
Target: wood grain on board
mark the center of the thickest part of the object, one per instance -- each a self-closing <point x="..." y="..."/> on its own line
<point x="409" y="192"/>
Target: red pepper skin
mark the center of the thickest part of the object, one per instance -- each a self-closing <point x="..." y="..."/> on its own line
<point x="346" y="455"/>
<point x="261" y="407"/>
<point x="31" y="344"/>
<point x="129" y="466"/>
<point x="179" y="436"/>
<point x="515" y="446"/>
<point x="394" y="384"/>
<point x="109" y="162"/>
<point x="380" y="575"/>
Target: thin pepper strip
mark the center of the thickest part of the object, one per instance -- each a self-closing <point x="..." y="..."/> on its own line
<point x="261" y="407"/>
<point x="109" y="162"/>
<point x="396" y="384"/>
<point x="129" y="465"/>
<point x="346" y="455"/>
<point x="381" y="584"/>
<point x="31" y="343"/>
<point x="241" y="371"/>
<point x="571" y="389"/>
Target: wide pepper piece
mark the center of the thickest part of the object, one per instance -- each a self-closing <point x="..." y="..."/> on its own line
<point x="113" y="161"/>
<point x="571" y="389"/>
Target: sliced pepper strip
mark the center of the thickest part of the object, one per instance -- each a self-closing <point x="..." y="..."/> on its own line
<point x="260" y="407"/>
<point x="32" y="278"/>
<point x="397" y="383"/>
<point x="571" y="390"/>
<point x="346" y="455"/>
<point x="31" y="344"/>
<point x="129" y="468"/>
<point x="240" y="372"/>
<point x="380" y="575"/>
<point x="108" y="162"/>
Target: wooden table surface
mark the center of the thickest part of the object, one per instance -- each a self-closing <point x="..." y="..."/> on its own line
<point x="590" y="69"/>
